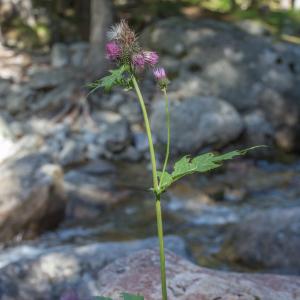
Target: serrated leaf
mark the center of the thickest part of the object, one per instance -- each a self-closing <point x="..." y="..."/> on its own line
<point x="164" y="181"/>
<point x="205" y="162"/>
<point x="116" y="77"/>
<point x="183" y="167"/>
<point x="202" y="163"/>
<point x="131" y="297"/>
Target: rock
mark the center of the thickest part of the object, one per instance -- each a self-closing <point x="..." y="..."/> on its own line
<point x="139" y="274"/>
<point x="131" y="111"/>
<point x="268" y="239"/>
<point x="115" y="135"/>
<point x="197" y="122"/>
<point x="32" y="197"/>
<point x="253" y="27"/>
<point x="79" y="54"/>
<point x="92" y="191"/>
<point x="17" y="99"/>
<point x="60" y="56"/>
<point x="248" y="71"/>
<point x="258" y="131"/>
<point x="49" y="272"/>
<point x="50" y="78"/>
<point x="5" y="132"/>
<point x="73" y="152"/>
<point x="54" y="100"/>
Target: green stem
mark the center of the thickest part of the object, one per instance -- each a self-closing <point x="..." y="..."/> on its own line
<point x="161" y="249"/>
<point x="148" y="130"/>
<point x="156" y="190"/>
<point x="168" y="133"/>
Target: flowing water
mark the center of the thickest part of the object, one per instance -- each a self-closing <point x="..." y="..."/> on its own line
<point x="200" y="209"/>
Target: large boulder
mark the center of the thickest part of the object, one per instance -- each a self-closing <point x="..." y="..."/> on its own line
<point x="32" y="197"/>
<point x="139" y="274"/>
<point x="212" y="58"/>
<point x="268" y="239"/>
<point x="196" y="123"/>
<point x="45" y="273"/>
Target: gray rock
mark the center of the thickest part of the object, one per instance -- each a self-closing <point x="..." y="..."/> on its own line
<point x="258" y="131"/>
<point x="5" y="132"/>
<point x="60" y="55"/>
<point x="55" y="99"/>
<point x="91" y="192"/>
<point x="197" y="122"/>
<point x="116" y="134"/>
<point x="139" y="274"/>
<point x="73" y="152"/>
<point x="17" y="99"/>
<point x="268" y="238"/>
<point x="228" y="62"/>
<point x="50" y="78"/>
<point x="31" y="192"/>
<point x="79" y="54"/>
<point x="48" y="272"/>
<point x="253" y="27"/>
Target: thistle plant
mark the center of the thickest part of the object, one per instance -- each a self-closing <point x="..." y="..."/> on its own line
<point x="130" y="59"/>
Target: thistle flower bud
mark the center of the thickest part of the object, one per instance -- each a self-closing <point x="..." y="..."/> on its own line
<point x="138" y="61"/>
<point x="113" y="51"/>
<point x="151" y="58"/>
<point x="161" y="77"/>
<point x="159" y="73"/>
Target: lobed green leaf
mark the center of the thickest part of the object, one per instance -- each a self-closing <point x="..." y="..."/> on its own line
<point x="165" y="180"/>
<point x="116" y="77"/>
<point x="202" y="163"/>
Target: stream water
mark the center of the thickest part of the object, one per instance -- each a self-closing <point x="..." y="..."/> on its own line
<point x="200" y="209"/>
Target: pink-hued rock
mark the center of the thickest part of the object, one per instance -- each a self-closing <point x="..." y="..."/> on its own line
<point x="139" y="274"/>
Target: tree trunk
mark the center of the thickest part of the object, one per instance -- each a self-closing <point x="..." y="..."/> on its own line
<point x="233" y="5"/>
<point x="83" y="12"/>
<point x="101" y="19"/>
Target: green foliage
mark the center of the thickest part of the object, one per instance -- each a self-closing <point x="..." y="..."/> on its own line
<point x="202" y="163"/>
<point x="117" y="77"/>
<point x="124" y="295"/>
<point x="131" y="297"/>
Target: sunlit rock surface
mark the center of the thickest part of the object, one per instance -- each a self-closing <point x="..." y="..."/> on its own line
<point x="139" y="274"/>
<point x="28" y="273"/>
<point x="32" y="196"/>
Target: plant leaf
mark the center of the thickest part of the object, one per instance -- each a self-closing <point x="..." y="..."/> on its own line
<point x="201" y="163"/>
<point x="164" y="181"/>
<point x="101" y="298"/>
<point x="116" y="77"/>
<point x="183" y="167"/>
<point x="131" y="297"/>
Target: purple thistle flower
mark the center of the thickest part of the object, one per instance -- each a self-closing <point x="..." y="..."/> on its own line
<point x="138" y="61"/>
<point x="151" y="57"/>
<point x="159" y="73"/>
<point x="113" y="51"/>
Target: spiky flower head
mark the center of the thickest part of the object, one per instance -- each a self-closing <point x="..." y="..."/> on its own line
<point x="138" y="61"/>
<point x="151" y="58"/>
<point x="113" y="51"/>
<point x="121" y="32"/>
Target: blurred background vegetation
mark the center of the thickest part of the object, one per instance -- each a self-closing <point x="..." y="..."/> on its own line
<point x="37" y="24"/>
